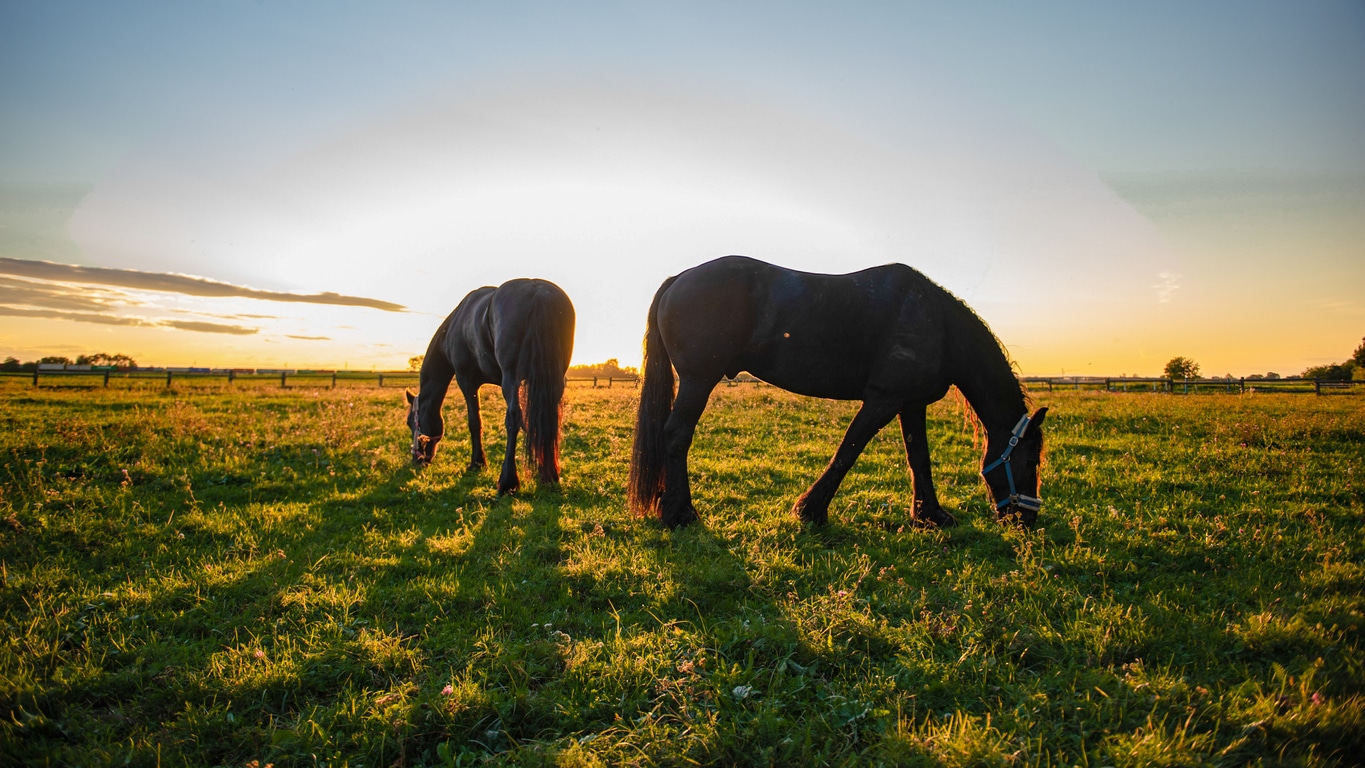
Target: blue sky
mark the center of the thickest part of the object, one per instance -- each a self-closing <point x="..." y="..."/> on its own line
<point x="1109" y="186"/>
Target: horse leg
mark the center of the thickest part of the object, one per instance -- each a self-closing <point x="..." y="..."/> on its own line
<point x="675" y="508"/>
<point x="477" y="460"/>
<point x="916" y="437"/>
<point x="813" y="506"/>
<point x="508" y="481"/>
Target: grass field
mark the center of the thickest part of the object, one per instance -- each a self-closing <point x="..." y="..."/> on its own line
<point x="244" y="577"/>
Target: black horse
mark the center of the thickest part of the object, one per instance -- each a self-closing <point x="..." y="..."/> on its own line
<point x="888" y="336"/>
<point x="521" y="331"/>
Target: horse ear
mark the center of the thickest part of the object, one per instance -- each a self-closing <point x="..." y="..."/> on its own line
<point x="408" y="393"/>
<point x="1036" y="423"/>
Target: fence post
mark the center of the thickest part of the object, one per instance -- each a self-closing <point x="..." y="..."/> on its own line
<point x="381" y="381"/>
<point x="334" y="379"/>
<point x="106" y="378"/>
<point x="35" y="375"/>
<point x="1317" y="387"/>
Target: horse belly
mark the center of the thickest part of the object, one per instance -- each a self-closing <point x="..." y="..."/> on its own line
<point x="809" y="375"/>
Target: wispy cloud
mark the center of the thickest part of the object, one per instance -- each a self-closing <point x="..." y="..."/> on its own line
<point x="168" y="282"/>
<point x="308" y="338"/>
<point x="203" y="327"/>
<point x="108" y="319"/>
<point x="1167" y="284"/>
<point x="50" y="296"/>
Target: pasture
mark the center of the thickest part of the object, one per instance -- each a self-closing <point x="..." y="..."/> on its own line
<point x="214" y="576"/>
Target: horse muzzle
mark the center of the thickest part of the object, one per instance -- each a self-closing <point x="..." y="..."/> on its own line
<point x="423" y="450"/>
<point x="1023" y="509"/>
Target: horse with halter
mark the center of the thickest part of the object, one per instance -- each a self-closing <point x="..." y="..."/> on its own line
<point x="887" y="336"/>
<point x="520" y="333"/>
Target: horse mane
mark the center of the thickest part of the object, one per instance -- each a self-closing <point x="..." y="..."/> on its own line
<point x="977" y="326"/>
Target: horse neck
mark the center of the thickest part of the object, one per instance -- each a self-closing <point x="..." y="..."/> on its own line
<point x="433" y="381"/>
<point x="983" y="374"/>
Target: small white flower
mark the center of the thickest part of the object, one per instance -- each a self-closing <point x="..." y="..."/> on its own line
<point x="742" y="691"/>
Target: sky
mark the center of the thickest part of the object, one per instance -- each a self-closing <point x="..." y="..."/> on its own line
<point x="317" y="184"/>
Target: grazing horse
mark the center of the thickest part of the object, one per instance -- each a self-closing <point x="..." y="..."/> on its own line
<point x="521" y="331"/>
<point x="887" y="336"/>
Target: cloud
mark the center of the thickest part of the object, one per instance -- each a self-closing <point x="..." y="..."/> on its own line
<point x="1243" y="193"/>
<point x="1167" y="284"/>
<point x="106" y="319"/>
<point x="203" y="327"/>
<point x="25" y="293"/>
<point x="79" y="317"/>
<point x="168" y="282"/>
<point x="308" y="338"/>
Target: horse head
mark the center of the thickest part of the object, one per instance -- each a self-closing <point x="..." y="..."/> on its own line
<point x="1012" y="476"/>
<point x="423" y="445"/>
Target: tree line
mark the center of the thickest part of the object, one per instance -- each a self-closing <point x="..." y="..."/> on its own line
<point x="99" y="359"/>
<point x="1352" y="368"/>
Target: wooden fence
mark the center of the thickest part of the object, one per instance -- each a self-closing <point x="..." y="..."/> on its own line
<point x="1192" y="386"/>
<point x="281" y="378"/>
<point x="333" y="379"/>
<point x="167" y="378"/>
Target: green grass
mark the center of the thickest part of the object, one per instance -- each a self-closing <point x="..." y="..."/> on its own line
<point x="222" y="576"/>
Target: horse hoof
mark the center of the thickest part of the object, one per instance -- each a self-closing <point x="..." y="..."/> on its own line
<point x="811" y="515"/>
<point x="474" y="468"/>
<point x="936" y="516"/>
<point x="678" y="518"/>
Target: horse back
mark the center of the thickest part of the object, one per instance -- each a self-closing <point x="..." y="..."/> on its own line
<point x="513" y="310"/>
<point x="468" y="342"/>
<point x="837" y="336"/>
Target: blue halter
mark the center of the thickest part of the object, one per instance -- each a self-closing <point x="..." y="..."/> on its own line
<point x="1029" y="503"/>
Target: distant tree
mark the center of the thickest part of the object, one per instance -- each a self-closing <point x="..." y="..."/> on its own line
<point x="103" y="359"/>
<point x="11" y="365"/>
<point x="54" y="360"/>
<point x="1354" y="367"/>
<point x="1182" y="368"/>
<point x="1331" y="371"/>
<point x="612" y="368"/>
<point x="415" y="362"/>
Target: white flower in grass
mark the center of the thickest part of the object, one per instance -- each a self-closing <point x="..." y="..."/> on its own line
<point x="742" y="692"/>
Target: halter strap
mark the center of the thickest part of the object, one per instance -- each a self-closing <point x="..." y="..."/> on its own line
<point x="417" y="420"/>
<point x="1030" y="503"/>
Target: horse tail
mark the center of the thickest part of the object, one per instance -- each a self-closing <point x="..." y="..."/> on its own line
<point x="543" y="362"/>
<point x="647" y="454"/>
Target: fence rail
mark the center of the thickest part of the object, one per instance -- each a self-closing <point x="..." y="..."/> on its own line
<point x="332" y="379"/>
<point x="1192" y="386"/>
<point x="283" y="378"/>
<point x="168" y="377"/>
